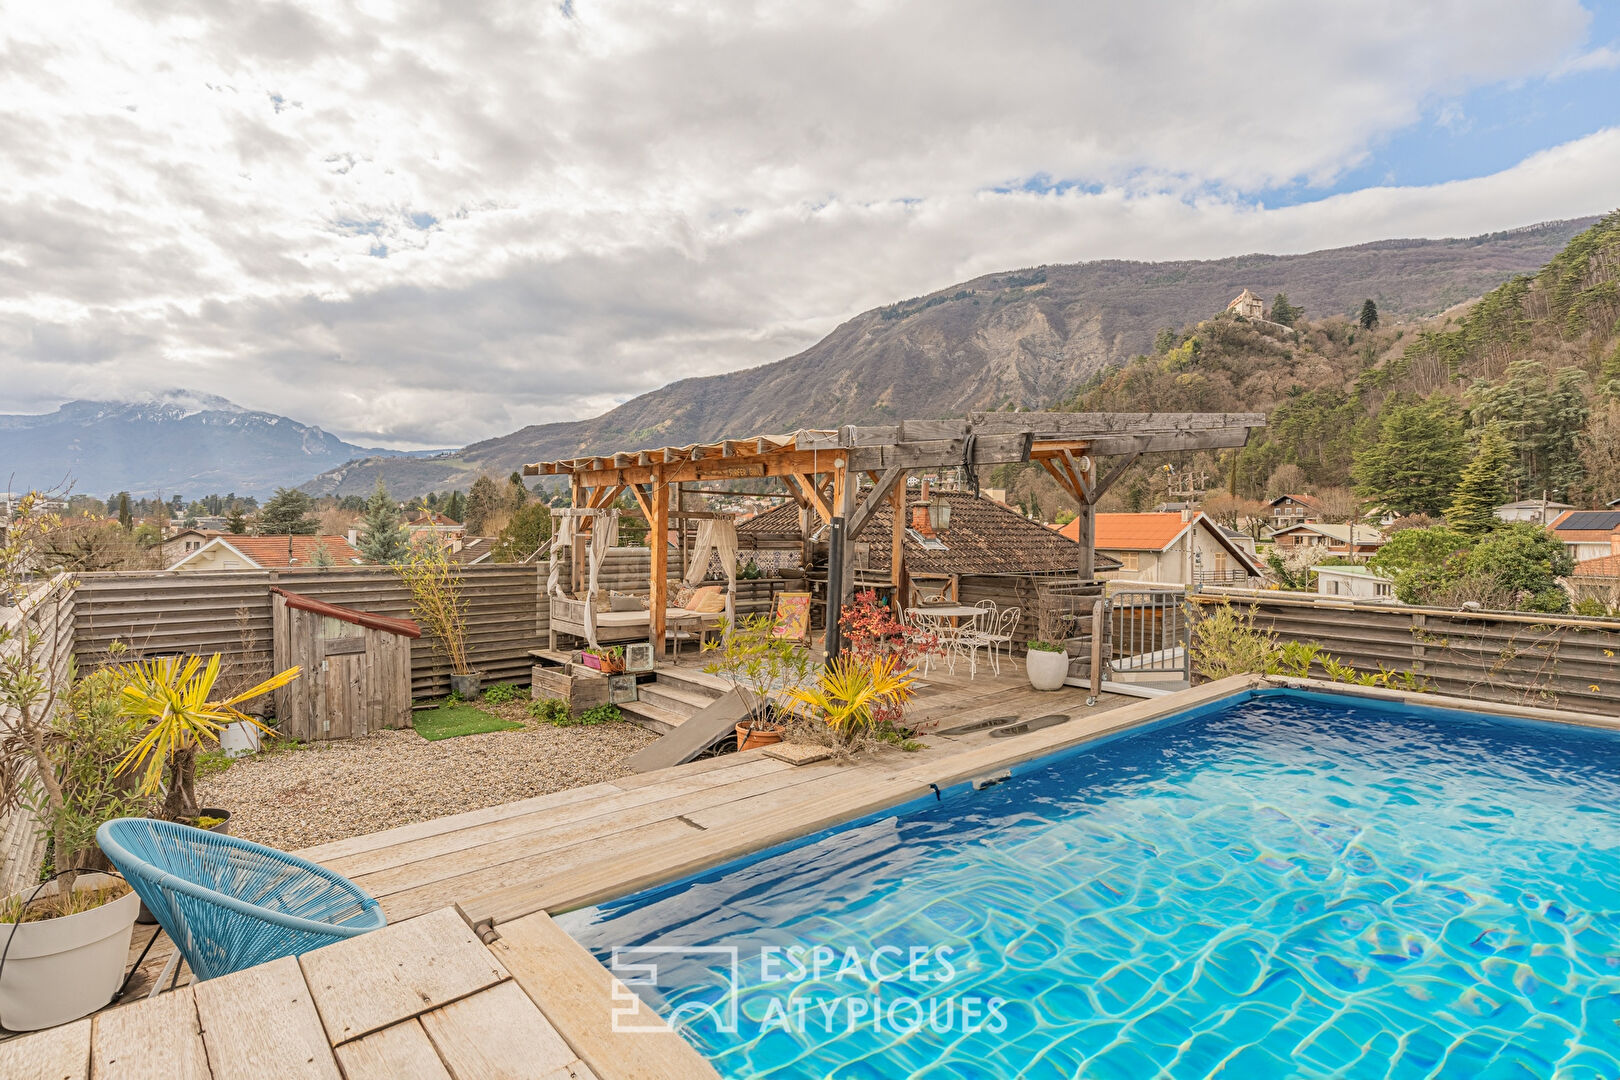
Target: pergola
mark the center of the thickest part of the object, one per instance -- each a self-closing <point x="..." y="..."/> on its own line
<point x="839" y="477"/>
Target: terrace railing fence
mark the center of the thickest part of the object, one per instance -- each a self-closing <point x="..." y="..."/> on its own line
<point x="45" y="618"/>
<point x="1515" y="658"/>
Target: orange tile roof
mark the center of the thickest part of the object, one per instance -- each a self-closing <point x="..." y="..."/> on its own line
<point x="1131" y="532"/>
<point x="1608" y="566"/>
<point x="280" y="552"/>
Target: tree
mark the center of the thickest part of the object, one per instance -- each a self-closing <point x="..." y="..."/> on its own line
<point x="289" y="511"/>
<point x="382" y="540"/>
<point x="1413" y="464"/>
<point x="1232" y="511"/>
<point x="1283" y="312"/>
<point x="525" y="533"/>
<point x="1608" y="380"/>
<point x="1525" y="561"/>
<point x="518" y="494"/>
<point x="1369" y="315"/>
<point x="1600" y="457"/>
<point x="484" y="501"/>
<point x="1541" y="414"/>
<point x="1338" y="505"/>
<point x="1483" y="487"/>
<point x="126" y="518"/>
<point x="1285" y="479"/>
<point x="455" y="507"/>
<point x="1418" y="561"/>
<point x="236" y="521"/>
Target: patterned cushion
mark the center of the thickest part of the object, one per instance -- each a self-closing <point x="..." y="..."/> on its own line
<point x="683" y="596"/>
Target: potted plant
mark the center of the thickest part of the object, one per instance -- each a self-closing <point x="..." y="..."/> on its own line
<point x="437" y="603"/>
<point x="1046" y="661"/>
<point x="65" y="940"/>
<point x="760" y="667"/>
<point x="169" y="697"/>
<point x="854" y="696"/>
<point x="591" y="659"/>
<point x="612" y="659"/>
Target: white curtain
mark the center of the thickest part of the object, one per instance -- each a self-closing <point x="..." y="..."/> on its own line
<point x="719" y="536"/>
<point x="604" y="535"/>
<point x="562" y="540"/>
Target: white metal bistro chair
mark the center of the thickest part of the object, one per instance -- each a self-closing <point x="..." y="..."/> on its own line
<point x="947" y="639"/>
<point x="997" y="634"/>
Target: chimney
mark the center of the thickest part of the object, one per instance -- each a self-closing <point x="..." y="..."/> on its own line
<point x="919" y="520"/>
<point x="354" y="538"/>
<point x="1186" y="513"/>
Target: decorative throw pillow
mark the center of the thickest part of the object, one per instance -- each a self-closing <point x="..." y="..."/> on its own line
<point x="623" y="601"/>
<point x="683" y="596"/>
<point x="710" y="600"/>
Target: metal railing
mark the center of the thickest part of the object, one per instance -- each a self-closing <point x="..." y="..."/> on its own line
<point x="1149" y="633"/>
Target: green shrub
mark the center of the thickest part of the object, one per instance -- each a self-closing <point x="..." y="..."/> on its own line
<point x="551" y="711"/>
<point x="503" y="693"/>
<point x="602" y="714"/>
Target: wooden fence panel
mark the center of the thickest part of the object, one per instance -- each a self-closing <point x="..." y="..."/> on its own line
<point x="1514" y="658"/>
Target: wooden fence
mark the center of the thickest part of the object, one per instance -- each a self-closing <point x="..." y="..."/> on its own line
<point x="228" y="612"/>
<point x="44" y="620"/>
<point x="1507" y="657"/>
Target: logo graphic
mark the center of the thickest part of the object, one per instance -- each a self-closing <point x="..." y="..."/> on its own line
<point x="639" y="965"/>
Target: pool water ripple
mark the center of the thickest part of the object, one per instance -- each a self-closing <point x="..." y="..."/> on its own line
<point x="1292" y="886"/>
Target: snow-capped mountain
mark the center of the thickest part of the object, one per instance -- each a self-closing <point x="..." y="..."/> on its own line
<point x="174" y="442"/>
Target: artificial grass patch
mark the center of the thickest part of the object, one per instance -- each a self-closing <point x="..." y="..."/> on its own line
<point x="450" y="721"/>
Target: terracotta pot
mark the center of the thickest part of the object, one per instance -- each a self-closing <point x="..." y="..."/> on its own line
<point x="1046" y="670"/>
<point x="749" y="738"/>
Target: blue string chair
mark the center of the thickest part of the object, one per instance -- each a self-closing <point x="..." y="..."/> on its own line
<point x="229" y="904"/>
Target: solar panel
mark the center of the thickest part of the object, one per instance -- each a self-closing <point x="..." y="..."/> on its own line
<point x="1595" y="520"/>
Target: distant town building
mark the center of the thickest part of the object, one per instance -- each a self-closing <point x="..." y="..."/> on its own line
<point x="1289" y="510"/>
<point x="1248" y="305"/>
<point x="270" y="553"/>
<point x="184" y="542"/>
<point x="1587" y="534"/>
<point x="1355" y="541"/>
<point x="1539" y="511"/>
<point x="1360" y="582"/>
<point x="1180" y="549"/>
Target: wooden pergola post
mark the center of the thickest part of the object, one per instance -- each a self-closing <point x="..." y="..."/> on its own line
<point x="658" y="547"/>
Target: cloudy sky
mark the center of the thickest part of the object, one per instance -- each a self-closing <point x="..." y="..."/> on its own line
<point x="420" y="224"/>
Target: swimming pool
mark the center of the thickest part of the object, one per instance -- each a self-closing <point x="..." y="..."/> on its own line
<point x="1285" y="884"/>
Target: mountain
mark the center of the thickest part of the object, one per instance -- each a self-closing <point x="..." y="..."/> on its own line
<point x="174" y="442"/>
<point x="1024" y="338"/>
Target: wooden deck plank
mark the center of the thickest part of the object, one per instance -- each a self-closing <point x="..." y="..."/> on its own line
<point x="497" y="1034"/>
<point x="580" y="998"/>
<point x="576" y="882"/>
<point x="329" y="853"/>
<point x="627" y="848"/>
<point x="401" y="1052"/>
<point x="378" y="979"/>
<point x="615" y="815"/>
<point x="262" y="1022"/>
<point x="152" y="1039"/>
<point x="691" y="768"/>
<point x="375" y="870"/>
<point x="60" y="1053"/>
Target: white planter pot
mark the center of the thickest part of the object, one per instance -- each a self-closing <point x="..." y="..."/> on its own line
<point x="61" y="969"/>
<point x="1046" y="670"/>
<point x="239" y="739"/>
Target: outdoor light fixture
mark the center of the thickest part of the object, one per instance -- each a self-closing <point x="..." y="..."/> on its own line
<point x="939" y="513"/>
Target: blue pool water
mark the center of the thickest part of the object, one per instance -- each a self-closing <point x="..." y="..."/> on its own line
<point x="1293" y="885"/>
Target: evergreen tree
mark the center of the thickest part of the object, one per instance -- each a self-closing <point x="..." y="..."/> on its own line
<point x="288" y="511"/>
<point x="519" y="493"/>
<point x="529" y="528"/>
<point x="1413" y="464"/>
<point x="126" y="517"/>
<point x="1369" y="315"/>
<point x="484" y="501"/>
<point x="1483" y="487"/>
<point x="455" y="507"/>
<point x="1283" y="312"/>
<point x="236" y="521"/>
<point x="1541" y="414"/>
<point x="382" y="540"/>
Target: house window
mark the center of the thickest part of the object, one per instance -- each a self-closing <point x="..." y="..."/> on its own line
<point x="1381" y="588"/>
<point x="1129" y="560"/>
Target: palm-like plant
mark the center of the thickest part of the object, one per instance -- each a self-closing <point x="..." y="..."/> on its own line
<point x="851" y="692"/>
<point x="170" y="696"/>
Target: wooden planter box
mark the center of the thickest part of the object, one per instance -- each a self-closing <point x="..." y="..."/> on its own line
<point x="580" y="687"/>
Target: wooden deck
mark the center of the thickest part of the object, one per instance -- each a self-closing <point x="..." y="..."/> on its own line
<point x="426" y="998"/>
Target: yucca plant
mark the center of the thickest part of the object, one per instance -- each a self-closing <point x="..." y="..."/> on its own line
<point x="169" y="696"/>
<point x="852" y="694"/>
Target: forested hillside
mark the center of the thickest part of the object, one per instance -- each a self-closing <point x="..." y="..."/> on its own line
<point x="1396" y="411"/>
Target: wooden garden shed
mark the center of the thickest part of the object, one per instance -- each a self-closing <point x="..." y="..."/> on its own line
<point x="356" y="668"/>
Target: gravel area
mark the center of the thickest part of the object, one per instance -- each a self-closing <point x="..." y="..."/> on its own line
<point x="294" y="798"/>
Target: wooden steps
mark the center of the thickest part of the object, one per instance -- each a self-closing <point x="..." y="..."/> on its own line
<point x="671" y="697"/>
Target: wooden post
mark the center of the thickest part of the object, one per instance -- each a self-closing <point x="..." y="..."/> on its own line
<point x="658" y="547"/>
<point x="1086" y="534"/>
<point x="1097" y="622"/>
<point x="897" y="544"/>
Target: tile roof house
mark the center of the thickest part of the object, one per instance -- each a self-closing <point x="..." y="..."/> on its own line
<point x="230" y="552"/>
<point x="1586" y="534"/>
<point x="1538" y="510"/>
<point x="1598" y="578"/>
<point x="1329" y="538"/>
<point x="1172" y="548"/>
<point x="1289" y="510"/>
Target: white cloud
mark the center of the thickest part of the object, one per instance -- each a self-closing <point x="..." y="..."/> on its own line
<point x="577" y="209"/>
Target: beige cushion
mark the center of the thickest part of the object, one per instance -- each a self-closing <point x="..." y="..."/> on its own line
<point x="627" y="601"/>
<point x="709" y="600"/>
